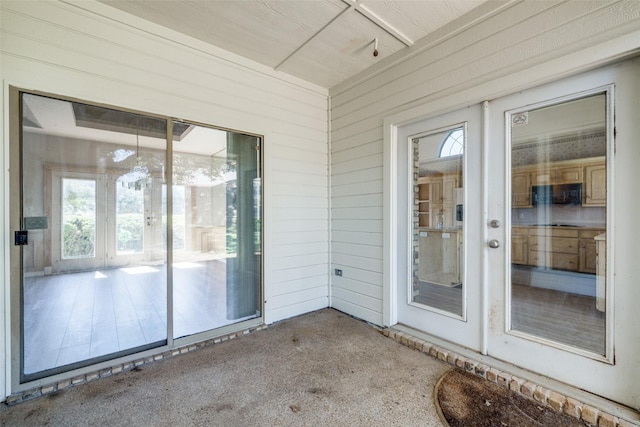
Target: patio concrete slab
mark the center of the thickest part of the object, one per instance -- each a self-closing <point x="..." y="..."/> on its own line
<point x="322" y="368"/>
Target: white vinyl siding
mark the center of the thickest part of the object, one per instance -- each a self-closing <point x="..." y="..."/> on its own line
<point x="499" y="48"/>
<point x="89" y="51"/>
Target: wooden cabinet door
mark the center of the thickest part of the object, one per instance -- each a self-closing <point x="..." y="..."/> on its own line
<point x="436" y="191"/>
<point x="448" y="211"/>
<point x="521" y="190"/>
<point x="519" y="250"/>
<point x="588" y="254"/>
<point x="595" y="180"/>
<point x="543" y="177"/>
<point x="568" y="175"/>
<point x="449" y="185"/>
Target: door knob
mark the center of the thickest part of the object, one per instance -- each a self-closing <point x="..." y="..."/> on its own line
<point x="493" y="243"/>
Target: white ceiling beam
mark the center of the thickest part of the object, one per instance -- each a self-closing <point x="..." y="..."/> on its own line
<point x="352" y="6"/>
<point x="362" y="9"/>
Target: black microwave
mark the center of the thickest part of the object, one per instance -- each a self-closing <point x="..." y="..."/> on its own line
<point x="564" y="194"/>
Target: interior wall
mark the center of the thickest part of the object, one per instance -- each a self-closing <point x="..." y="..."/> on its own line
<point x="486" y="54"/>
<point x="89" y="51"/>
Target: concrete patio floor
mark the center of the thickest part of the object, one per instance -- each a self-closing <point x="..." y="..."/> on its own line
<point x="322" y="368"/>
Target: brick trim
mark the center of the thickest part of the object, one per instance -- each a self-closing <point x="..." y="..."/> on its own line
<point x="64" y="384"/>
<point x="555" y="401"/>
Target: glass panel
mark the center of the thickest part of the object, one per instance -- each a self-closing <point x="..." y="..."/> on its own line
<point x="217" y="229"/>
<point x="558" y="230"/>
<point x="129" y="220"/>
<point x="92" y="287"/>
<point x="438" y="216"/>
<point x="179" y="215"/>
<point x="78" y="218"/>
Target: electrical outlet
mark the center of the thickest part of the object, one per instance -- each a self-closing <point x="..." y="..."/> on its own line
<point x="338" y="272"/>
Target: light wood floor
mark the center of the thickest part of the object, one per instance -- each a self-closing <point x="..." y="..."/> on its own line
<point x="74" y="317"/>
<point x="558" y="316"/>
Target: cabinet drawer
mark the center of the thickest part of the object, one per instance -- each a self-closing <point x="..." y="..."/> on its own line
<point x="553" y="232"/>
<point x="553" y="260"/>
<point x="519" y="231"/>
<point x="563" y="245"/>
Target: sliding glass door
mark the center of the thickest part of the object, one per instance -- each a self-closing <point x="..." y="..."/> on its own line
<point x="216" y="229"/>
<point x="112" y="216"/>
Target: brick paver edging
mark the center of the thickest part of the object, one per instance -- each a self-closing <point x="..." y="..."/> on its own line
<point x="123" y="367"/>
<point x="549" y="398"/>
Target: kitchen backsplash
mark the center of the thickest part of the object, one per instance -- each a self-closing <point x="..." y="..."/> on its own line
<point x="560" y="214"/>
<point x="567" y="148"/>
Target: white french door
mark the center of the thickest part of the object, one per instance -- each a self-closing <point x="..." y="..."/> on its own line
<point x="438" y="188"/>
<point x="553" y="171"/>
<point x="78" y="219"/>
<point x="546" y="275"/>
<point x="134" y="226"/>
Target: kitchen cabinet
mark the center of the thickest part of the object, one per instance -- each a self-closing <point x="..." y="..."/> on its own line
<point x="436" y="201"/>
<point x="439" y="256"/>
<point x="521" y="190"/>
<point x="587" y="251"/>
<point x="520" y="246"/>
<point x="595" y="185"/>
<point x="561" y="248"/>
<point x="436" y="190"/>
<point x="568" y="175"/>
<point x="553" y="248"/>
<point x="424" y="201"/>
<point x="556" y="174"/>
<point x="590" y="172"/>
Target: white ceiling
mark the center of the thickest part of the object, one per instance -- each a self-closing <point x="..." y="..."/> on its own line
<point x="322" y="41"/>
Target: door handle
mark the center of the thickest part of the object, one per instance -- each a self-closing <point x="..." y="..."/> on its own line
<point x="494" y="244"/>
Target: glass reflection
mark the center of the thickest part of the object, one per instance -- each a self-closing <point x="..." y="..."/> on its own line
<point x="216" y="229"/>
<point x="93" y="280"/>
<point x="558" y="230"/>
<point x="438" y="216"/>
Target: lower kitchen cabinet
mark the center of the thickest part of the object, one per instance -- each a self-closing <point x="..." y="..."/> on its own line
<point x="439" y="256"/>
<point x="560" y="248"/>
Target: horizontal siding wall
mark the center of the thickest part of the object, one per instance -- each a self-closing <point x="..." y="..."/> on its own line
<point x="481" y="47"/>
<point x="89" y="51"/>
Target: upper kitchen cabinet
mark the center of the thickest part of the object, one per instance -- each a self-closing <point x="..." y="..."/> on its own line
<point x="558" y="174"/>
<point x="521" y="189"/>
<point x="595" y="184"/>
<point x="564" y="145"/>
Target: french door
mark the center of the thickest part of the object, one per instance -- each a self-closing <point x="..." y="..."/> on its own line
<point x="544" y="276"/>
<point x="438" y="178"/>
<point x="556" y="290"/>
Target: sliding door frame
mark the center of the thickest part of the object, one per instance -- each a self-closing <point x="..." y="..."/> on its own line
<point x="15" y="316"/>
